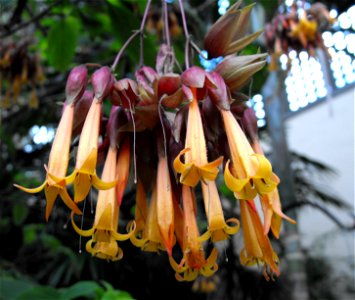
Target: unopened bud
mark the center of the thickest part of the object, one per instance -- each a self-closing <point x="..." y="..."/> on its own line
<point x="81" y="110"/>
<point x="76" y="84"/>
<point x="117" y="119"/>
<point x="102" y="82"/>
<point x="220" y="96"/>
<point x="250" y="123"/>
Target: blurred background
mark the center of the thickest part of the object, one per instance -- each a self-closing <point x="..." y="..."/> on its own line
<point x="304" y="102"/>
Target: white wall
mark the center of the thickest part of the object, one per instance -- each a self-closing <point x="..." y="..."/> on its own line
<point x="325" y="132"/>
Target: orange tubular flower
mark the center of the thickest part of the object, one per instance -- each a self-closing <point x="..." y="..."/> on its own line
<point x="218" y="230"/>
<point x="196" y="165"/>
<point x="104" y="231"/>
<point x="250" y="173"/>
<point x="271" y="205"/>
<point x="140" y="216"/>
<point x="122" y="170"/>
<point x="193" y="262"/>
<point x="59" y="156"/>
<point x="84" y="174"/>
<point x="257" y="247"/>
<point x="165" y="209"/>
<point x="151" y="233"/>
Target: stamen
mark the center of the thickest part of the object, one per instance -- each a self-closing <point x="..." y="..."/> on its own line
<point x="91" y="206"/>
<point x="81" y="226"/>
<point x="65" y="226"/>
<point x="225" y="252"/>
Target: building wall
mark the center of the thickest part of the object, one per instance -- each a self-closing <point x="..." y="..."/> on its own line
<point x="325" y="132"/>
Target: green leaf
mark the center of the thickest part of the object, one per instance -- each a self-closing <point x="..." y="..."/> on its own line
<point x="19" y="213"/>
<point x="81" y="289"/>
<point x="62" y="40"/>
<point x="12" y="288"/>
<point x="39" y="292"/>
<point x="30" y="232"/>
<point x="116" y="295"/>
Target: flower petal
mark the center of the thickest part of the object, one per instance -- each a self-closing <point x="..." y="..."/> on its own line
<point x="233" y="183"/>
<point x="81" y="232"/>
<point x="32" y="191"/>
<point x="102" y="185"/>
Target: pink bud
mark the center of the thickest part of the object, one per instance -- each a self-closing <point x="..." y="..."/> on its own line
<point x="220" y="95"/>
<point x="117" y="120"/>
<point x="76" y="84"/>
<point x="102" y="82"/>
<point x="81" y="109"/>
<point x="250" y="123"/>
<point x="197" y="79"/>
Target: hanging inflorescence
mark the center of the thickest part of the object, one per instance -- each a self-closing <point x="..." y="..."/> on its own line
<point x="298" y="29"/>
<point x="174" y="132"/>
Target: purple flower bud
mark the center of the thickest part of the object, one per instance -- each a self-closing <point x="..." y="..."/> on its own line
<point x="116" y="121"/>
<point x="250" y="123"/>
<point x="76" y="84"/>
<point x="102" y="82"/>
<point x="220" y="95"/>
<point x="197" y="79"/>
<point x="81" y="109"/>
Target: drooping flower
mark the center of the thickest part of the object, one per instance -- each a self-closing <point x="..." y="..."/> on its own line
<point x="196" y="165"/>
<point x="165" y="208"/>
<point x="104" y="234"/>
<point x="141" y="216"/>
<point x="218" y="228"/>
<point x="250" y="173"/>
<point x="270" y="202"/>
<point x="55" y="183"/>
<point x="257" y="247"/>
<point x="193" y="262"/>
<point x="84" y="175"/>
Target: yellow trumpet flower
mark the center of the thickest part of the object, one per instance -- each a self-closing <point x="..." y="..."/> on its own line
<point x="193" y="262"/>
<point x="257" y="247"/>
<point x="58" y="165"/>
<point x="103" y="243"/>
<point x="196" y="165"/>
<point x="250" y="173"/>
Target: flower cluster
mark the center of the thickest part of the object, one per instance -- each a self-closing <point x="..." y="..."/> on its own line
<point x="299" y="29"/>
<point x="18" y="68"/>
<point x="174" y="132"/>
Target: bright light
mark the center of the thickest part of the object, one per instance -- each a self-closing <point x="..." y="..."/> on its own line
<point x="292" y="55"/>
<point x="41" y="135"/>
<point x="258" y="98"/>
<point x="333" y="13"/>
<point x="344" y="20"/>
<point x="289" y="2"/>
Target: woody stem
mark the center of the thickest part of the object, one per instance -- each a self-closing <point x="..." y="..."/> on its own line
<point x="132" y="37"/>
<point x="187" y="36"/>
<point x="166" y="23"/>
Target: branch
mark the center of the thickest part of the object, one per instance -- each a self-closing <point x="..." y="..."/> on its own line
<point x="323" y="210"/>
<point x="32" y="20"/>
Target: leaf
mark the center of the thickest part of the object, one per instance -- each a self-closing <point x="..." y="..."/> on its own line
<point x="39" y="292"/>
<point x="81" y="289"/>
<point x="62" y="40"/>
<point x="116" y="295"/>
<point x="19" y="213"/>
<point x="12" y="288"/>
